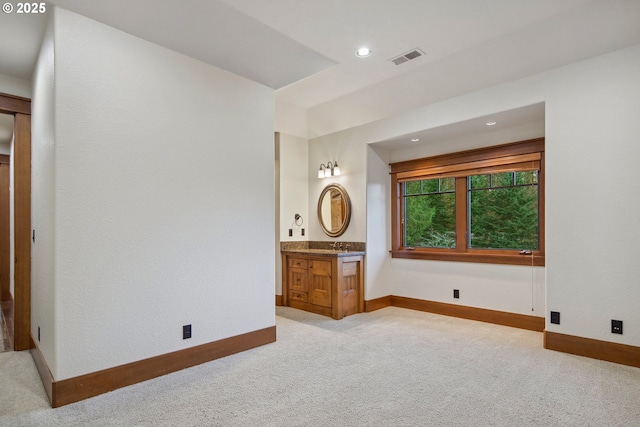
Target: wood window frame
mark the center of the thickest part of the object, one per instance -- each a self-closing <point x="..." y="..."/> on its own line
<point x="516" y="155"/>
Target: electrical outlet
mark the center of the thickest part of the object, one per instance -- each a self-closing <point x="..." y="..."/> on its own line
<point x="456" y="293"/>
<point x="186" y="332"/>
<point x="291" y="232"/>
<point x="303" y="231"/>
<point x="616" y="326"/>
<point x="555" y="317"/>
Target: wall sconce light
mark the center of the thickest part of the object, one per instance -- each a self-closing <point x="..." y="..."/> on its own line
<point x="330" y="169"/>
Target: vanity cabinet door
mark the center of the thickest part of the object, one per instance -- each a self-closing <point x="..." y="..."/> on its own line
<point x="320" y="283"/>
<point x="298" y="280"/>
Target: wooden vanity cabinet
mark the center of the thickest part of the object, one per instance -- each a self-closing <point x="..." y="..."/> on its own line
<point x="328" y="284"/>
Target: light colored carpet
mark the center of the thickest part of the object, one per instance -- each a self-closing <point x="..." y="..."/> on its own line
<point x="392" y="367"/>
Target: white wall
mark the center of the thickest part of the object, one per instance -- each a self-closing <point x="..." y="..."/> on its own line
<point x="591" y="197"/>
<point x="293" y="194"/>
<point x="378" y="258"/>
<point x="43" y="256"/>
<point x="164" y="188"/>
<point x="593" y="132"/>
<point x="290" y="120"/>
<point x="294" y="187"/>
<point x="15" y="86"/>
<point x="352" y="161"/>
<point x="514" y="289"/>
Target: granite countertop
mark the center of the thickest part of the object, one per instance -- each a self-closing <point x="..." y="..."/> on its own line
<point x="322" y="252"/>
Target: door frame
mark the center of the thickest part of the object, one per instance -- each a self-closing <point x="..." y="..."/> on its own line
<point x="20" y="108"/>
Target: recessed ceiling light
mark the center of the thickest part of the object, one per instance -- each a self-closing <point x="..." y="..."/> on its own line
<point x="363" y="52"/>
<point x="415" y="140"/>
<point x="491" y="123"/>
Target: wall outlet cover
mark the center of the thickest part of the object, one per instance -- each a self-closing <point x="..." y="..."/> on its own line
<point x="456" y="293"/>
<point x="616" y="326"/>
<point x="555" y="317"/>
<point x="186" y="332"/>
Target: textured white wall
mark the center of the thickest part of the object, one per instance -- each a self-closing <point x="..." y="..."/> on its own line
<point x="352" y="160"/>
<point x="592" y="130"/>
<point x="43" y="255"/>
<point x="293" y="194"/>
<point x="514" y="289"/>
<point x="294" y="187"/>
<point x="290" y="120"/>
<point x="378" y="258"/>
<point x="592" y="221"/>
<point x="164" y="200"/>
<point x="15" y="86"/>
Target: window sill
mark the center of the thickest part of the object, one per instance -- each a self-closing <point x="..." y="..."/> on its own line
<point x="479" y="256"/>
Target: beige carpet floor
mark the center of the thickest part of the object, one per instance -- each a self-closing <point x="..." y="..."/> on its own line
<point x="392" y="367"/>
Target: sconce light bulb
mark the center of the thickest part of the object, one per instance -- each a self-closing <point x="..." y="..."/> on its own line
<point x="321" y="172"/>
<point x="336" y="169"/>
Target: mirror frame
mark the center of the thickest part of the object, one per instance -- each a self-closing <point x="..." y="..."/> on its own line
<point x="347" y="216"/>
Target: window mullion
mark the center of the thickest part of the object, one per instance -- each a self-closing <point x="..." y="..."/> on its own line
<point x="461" y="214"/>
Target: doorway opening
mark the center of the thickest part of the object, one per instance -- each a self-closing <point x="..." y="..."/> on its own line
<point x="6" y="283"/>
<point x="15" y="296"/>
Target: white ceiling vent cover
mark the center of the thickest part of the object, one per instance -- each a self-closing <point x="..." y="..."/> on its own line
<point x="406" y="57"/>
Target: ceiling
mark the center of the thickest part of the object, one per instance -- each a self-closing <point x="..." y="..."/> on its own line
<point x="304" y="49"/>
<point x="531" y="115"/>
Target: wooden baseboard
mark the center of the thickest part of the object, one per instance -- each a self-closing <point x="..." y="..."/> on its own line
<point x="83" y="387"/>
<point x="532" y="323"/>
<point x="377" y="304"/>
<point x="279" y="302"/>
<point x="595" y="349"/>
<point x="43" y="369"/>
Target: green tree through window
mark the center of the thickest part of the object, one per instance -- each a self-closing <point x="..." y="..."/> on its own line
<point x="430" y="213"/>
<point x="504" y="210"/>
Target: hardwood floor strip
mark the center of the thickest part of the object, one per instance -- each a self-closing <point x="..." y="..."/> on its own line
<point x="595" y="349"/>
<point x="377" y="304"/>
<point x="6" y="327"/>
<point x="532" y="323"/>
<point x="83" y="387"/>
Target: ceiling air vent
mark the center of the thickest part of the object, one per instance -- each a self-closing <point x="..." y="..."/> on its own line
<point x="406" y="57"/>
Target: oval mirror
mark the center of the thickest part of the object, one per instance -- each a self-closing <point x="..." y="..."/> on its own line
<point x="334" y="210"/>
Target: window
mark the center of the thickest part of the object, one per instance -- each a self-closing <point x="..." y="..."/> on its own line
<point x="475" y="206"/>
<point x="430" y="213"/>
